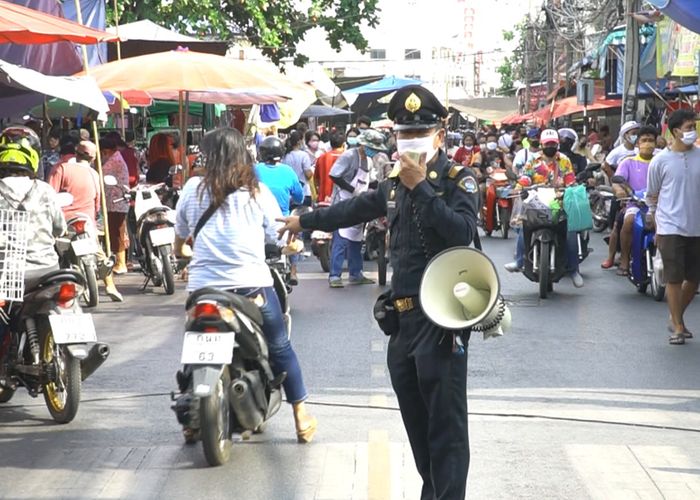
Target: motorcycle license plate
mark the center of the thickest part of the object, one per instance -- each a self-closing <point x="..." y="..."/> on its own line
<point x="84" y="246"/>
<point x="208" y="348"/>
<point x="162" y="236"/>
<point x="72" y="328"/>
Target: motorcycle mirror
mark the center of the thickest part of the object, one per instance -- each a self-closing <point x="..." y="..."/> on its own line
<point x="110" y="180"/>
<point x="64" y="199"/>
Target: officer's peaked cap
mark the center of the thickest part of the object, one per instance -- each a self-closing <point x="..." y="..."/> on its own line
<point x="415" y="107"/>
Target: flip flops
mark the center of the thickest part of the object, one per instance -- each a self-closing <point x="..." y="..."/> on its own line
<point x="622" y="272"/>
<point x="607" y="264"/>
<point x="677" y="339"/>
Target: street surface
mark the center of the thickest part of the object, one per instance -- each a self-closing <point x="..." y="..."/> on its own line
<point x="584" y="399"/>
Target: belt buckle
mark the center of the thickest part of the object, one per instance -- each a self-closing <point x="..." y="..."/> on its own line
<point x="404" y="304"/>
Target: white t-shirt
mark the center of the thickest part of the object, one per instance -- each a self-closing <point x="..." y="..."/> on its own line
<point x="618" y="154"/>
<point x="675" y="178"/>
<point x="229" y="251"/>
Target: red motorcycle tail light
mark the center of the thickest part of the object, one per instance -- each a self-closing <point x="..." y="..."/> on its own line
<point x="79" y="226"/>
<point x="66" y="293"/>
<point x="206" y="310"/>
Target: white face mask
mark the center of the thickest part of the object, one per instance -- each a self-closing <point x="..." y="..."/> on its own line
<point x="419" y="145"/>
<point x="689" y="138"/>
<point x="492" y="146"/>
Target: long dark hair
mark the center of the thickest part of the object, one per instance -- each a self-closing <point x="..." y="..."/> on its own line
<point x="228" y="165"/>
<point x="293" y="140"/>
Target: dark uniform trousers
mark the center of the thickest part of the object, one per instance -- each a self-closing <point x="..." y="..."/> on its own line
<point x="430" y="381"/>
<point x="428" y="377"/>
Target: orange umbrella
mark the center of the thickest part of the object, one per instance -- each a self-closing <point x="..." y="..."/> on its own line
<point x="27" y="26"/>
<point x="207" y="78"/>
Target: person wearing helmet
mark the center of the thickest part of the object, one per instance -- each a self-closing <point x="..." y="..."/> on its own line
<point x="282" y="180"/>
<point x="78" y="178"/>
<point x="568" y="141"/>
<point x="628" y="138"/>
<point x="351" y="176"/>
<point x="21" y="190"/>
<point x="551" y="169"/>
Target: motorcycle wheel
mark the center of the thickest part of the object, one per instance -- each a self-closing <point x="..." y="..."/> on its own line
<point x="600" y="218"/>
<point x="168" y="274"/>
<point x="324" y="256"/>
<point x="214" y="421"/>
<point x="91" y="295"/>
<point x="6" y="394"/>
<point x="62" y="396"/>
<point x="381" y="260"/>
<point x="544" y="269"/>
<point x="505" y="221"/>
<point x="658" y="291"/>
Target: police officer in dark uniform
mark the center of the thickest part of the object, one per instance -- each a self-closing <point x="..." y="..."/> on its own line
<point x="431" y="205"/>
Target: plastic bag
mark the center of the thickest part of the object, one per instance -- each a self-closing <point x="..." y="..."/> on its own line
<point x="578" y="209"/>
<point x="516" y="215"/>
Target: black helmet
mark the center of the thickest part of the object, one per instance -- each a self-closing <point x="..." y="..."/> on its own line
<point x="271" y="149"/>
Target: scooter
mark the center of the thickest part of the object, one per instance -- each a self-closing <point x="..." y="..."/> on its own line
<point x="227" y="384"/>
<point x="600" y="195"/>
<point x="545" y="235"/>
<point x="77" y="250"/>
<point x="321" y="244"/>
<point x="45" y="346"/>
<point x="643" y="274"/>
<point x="498" y="205"/>
<point x="155" y="233"/>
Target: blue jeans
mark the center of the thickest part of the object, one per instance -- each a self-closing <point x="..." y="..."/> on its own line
<point x="282" y="356"/>
<point x="342" y="248"/>
<point x="571" y="251"/>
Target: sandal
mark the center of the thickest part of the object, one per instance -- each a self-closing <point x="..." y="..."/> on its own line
<point x="607" y="264"/>
<point x="686" y="333"/>
<point x="622" y="272"/>
<point x="677" y="339"/>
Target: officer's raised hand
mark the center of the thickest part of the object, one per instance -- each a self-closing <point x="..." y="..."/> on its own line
<point x="413" y="170"/>
<point x="291" y="224"/>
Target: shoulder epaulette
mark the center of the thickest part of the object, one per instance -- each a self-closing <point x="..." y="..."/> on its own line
<point x="454" y="171"/>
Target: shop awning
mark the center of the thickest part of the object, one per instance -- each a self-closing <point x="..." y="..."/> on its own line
<point x="570" y="106"/>
<point x="684" y="12"/>
<point x="494" y="109"/>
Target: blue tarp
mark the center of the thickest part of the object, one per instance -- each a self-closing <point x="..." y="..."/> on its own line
<point x="385" y="85"/>
<point x="93" y="14"/>
<point x="684" y="12"/>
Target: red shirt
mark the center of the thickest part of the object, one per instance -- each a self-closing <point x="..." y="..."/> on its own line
<point x="464" y="157"/>
<point x="82" y="182"/>
<point x="322" y="178"/>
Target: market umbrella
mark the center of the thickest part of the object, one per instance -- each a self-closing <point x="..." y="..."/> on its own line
<point x="318" y="111"/>
<point x="23" y="25"/>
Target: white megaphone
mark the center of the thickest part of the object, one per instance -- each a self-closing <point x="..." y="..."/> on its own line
<point x="460" y="289"/>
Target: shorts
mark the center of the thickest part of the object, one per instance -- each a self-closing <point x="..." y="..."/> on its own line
<point x="681" y="257"/>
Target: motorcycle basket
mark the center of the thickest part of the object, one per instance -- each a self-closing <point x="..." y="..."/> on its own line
<point x="14" y="233"/>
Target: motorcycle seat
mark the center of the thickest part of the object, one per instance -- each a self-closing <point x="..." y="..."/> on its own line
<point x="227" y="299"/>
<point x="34" y="283"/>
<point x="272" y="251"/>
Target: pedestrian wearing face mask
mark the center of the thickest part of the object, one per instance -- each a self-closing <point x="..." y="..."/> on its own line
<point x="469" y="153"/>
<point x="431" y="205"/>
<point x="351" y="174"/>
<point x="673" y="182"/>
<point x="568" y="140"/>
<point x="313" y="142"/>
<point x="628" y="138"/>
<point x="351" y="138"/>
<point x="531" y="152"/>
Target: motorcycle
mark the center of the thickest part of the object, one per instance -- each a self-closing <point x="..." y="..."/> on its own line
<point x="642" y="256"/>
<point x="545" y="235"/>
<point x="376" y="243"/>
<point x="498" y="204"/>
<point x="77" y="250"/>
<point x="600" y="195"/>
<point x="45" y="346"/>
<point x="155" y="234"/>
<point x="227" y="384"/>
<point x="321" y="244"/>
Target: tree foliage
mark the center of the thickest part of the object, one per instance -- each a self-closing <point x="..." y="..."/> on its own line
<point x="274" y="26"/>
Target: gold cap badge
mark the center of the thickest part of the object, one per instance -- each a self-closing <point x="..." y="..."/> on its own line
<point x="413" y="103"/>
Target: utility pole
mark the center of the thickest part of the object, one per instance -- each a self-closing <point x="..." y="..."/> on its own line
<point x="527" y="57"/>
<point x="549" y="41"/>
<point x="631" y="81"/>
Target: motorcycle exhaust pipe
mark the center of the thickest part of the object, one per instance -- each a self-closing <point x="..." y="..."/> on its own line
<point x="244" y="406"/>
<point x="97" y="355"/>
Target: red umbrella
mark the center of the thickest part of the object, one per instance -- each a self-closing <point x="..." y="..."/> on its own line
<point x="26" y="26"/>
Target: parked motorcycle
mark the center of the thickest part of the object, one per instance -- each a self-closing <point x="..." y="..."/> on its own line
<point x="45" y="345"/>
<point x="227" y="384"/>
<point x="600" y="195"/>
<point x="155" y="233"/>
<point x="77" y="250"/>
<point x="545" y="236"/>
<point x="321" y="244"/>
<point x="642" y="256"/>
<point x="376" y="245"/>
<point x="498" y="205"/>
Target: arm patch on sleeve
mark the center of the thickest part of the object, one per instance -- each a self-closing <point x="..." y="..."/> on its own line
<point x="468" y="184"/>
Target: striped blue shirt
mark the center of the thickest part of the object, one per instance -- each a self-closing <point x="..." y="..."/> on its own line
<point x="230" y="249"/>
